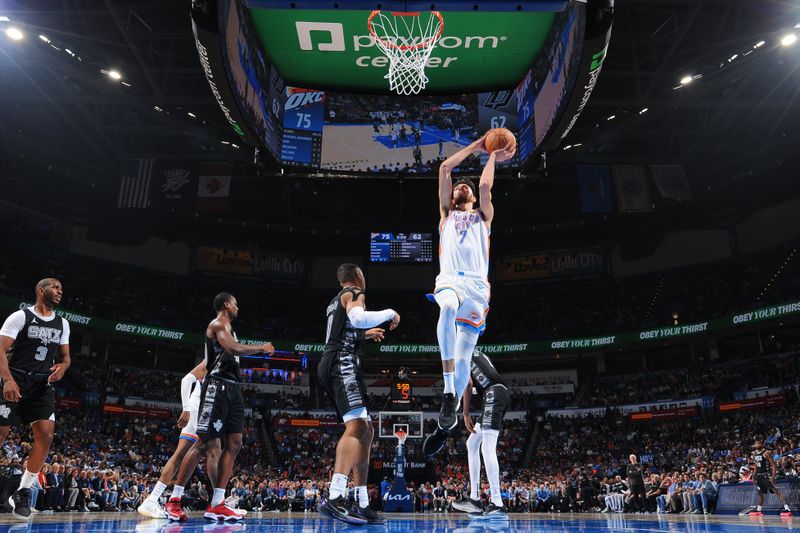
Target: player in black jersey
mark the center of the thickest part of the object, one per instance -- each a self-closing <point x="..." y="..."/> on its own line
<point x="482" y="440"/>
<point x="221" y="413"/>
<point x="31" y="341"/>
<point x="765" y="472"/>
<point x="339" y="373"/>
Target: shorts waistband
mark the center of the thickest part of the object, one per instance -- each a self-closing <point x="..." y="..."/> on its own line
<point x="465" y="274"/>
<point x="30" y="373"/>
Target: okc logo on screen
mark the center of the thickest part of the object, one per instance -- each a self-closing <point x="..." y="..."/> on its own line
<point x="298" y="98"/>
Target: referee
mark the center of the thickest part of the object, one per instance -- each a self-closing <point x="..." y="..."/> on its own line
<point x="31" y="341"/>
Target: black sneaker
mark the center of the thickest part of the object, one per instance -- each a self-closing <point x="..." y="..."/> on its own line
<point x="368" y="514"/>
<point x="468" y="505"/>
<point x="447" y="414"/>
<point x="434" y="442"/>
<point x="492" y="511"/>
<point x="339" y="509"/>
<point x="20" y="503"/>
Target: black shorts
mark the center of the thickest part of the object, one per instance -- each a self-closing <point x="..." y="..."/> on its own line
<point x="764" y="484"/>
<point x="221" y="409"/>
<point x="340" y="375"/>
<point x="495" y="405"/>
<point x="37" y="402"/>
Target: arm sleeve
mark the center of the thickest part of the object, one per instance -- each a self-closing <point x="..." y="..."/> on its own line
<point x="13" y="324"/>
<point x="186" y="389"/>
<point x="65" y="332"/>
<point x="362" y="319"/>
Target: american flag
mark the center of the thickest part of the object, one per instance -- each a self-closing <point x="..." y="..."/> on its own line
<point x="134" y="186"/>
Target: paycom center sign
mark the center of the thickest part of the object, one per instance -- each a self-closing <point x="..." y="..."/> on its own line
<point x="333" y="48"/>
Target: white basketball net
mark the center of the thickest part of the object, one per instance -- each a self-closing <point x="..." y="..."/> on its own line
<point x="407" y="39"/>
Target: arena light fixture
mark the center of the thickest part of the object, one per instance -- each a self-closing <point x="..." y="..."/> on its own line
<point x="225" y="142"/>
<point x="734" y="56"/>
<point x="114" y="75"/>
<point x="643" y="111"/>
<point x="612" y="117"/>
<point x="44" y="38"/>
<point x="4" y="18"/>
<point x="789" y="39"/>
<point x="235" y="145"/>
<point x="759" y="44"/>
<point x="686" y="80"/>
<point x="191" y="114"/>
<point x="14" y="34"/>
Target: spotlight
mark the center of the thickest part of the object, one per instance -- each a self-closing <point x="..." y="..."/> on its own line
<point x="44" y="38"/>
<point x="612" y="117"/>
<point x="643" y="111"/>
<point x="789" y="39"/>
<point x="4" y="18"/>
<point x="734" y="56"/>
<point x="686" y="80"/>
<point x="191" y="114"/>
<point x="14" y="34"/>
<point x="759" y="44"/>
<point x="114" y="75"/>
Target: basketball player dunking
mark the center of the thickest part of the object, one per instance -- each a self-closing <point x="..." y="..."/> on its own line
<point x="31" y="340"/>
<point x="221" y="413"/>
<point x="187" y="422"/>
<point x="483" y="436"/>
<point x="766" y="469"/>
<point x="339" y="373"/>
<point x="462" y="287"/>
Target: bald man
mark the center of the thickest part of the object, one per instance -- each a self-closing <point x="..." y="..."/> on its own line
<point x="34" y="353"/>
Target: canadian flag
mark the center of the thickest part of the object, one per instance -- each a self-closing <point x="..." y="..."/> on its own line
<point x="214" y="187"/>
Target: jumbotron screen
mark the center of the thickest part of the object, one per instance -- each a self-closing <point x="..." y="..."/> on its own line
<point x="389" y="247"/>
<point x="356" y="131"/>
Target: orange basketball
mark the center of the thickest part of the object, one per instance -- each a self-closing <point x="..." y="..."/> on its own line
<point x="499" y="138"/>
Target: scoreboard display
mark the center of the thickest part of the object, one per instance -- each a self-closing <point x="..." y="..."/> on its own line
<point x="302" y="127"/>
<point x="401" y="248"/>
<point x="401" y="393"/>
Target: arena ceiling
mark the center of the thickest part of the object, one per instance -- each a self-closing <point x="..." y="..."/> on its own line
<point x="739" y="120"/>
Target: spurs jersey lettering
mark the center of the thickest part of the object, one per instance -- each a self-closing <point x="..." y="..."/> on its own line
<point x="341" y="335"/>
<point x="484" y="374"/>
<point x="221" y="364"/>
<point x="762" y="464"/>
<point x="37" y="344"/>
<point x="464" y="243"/>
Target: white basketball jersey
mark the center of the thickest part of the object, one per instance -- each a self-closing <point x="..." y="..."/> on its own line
<point x="464" y="244"/>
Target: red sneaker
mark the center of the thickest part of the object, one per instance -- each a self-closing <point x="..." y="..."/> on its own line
<point x="786" y="514"/>
<point x="222" y="512"/>
<point x="755" y="513"/>
<point x="174" y="510"/>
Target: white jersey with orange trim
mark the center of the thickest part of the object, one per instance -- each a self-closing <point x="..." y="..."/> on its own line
<point x="464" y="265"/>
<point x="464" y="244"/>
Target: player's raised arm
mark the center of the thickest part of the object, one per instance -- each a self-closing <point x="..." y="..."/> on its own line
<point x="446" y="169"/>
<point x="362" y="319"/>
<point x="487" y="182"/>
<point x="230" y="345"/>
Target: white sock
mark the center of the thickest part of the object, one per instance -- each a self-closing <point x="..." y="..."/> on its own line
<point x="466" y="339"/>
<point x="449" y="382"/>
<point x="338" y="486"/>
<point x="786" y="506"/>
<point x="219" y="496"/>
<point x="489" y="452"/>
<point x="362" y="497"/>
<point x="28" y="478"/>
<point x="177" y="492"/>
<point x="474" y="461"/>
<point x="758" y="508"/>
<point x="158" y="490"/>
<point x="446" y="328"/>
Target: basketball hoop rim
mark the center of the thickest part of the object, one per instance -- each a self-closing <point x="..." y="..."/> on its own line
<point x="424" y="44"/>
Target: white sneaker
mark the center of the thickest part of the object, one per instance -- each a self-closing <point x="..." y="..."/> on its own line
<point x="151" y="509"/>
